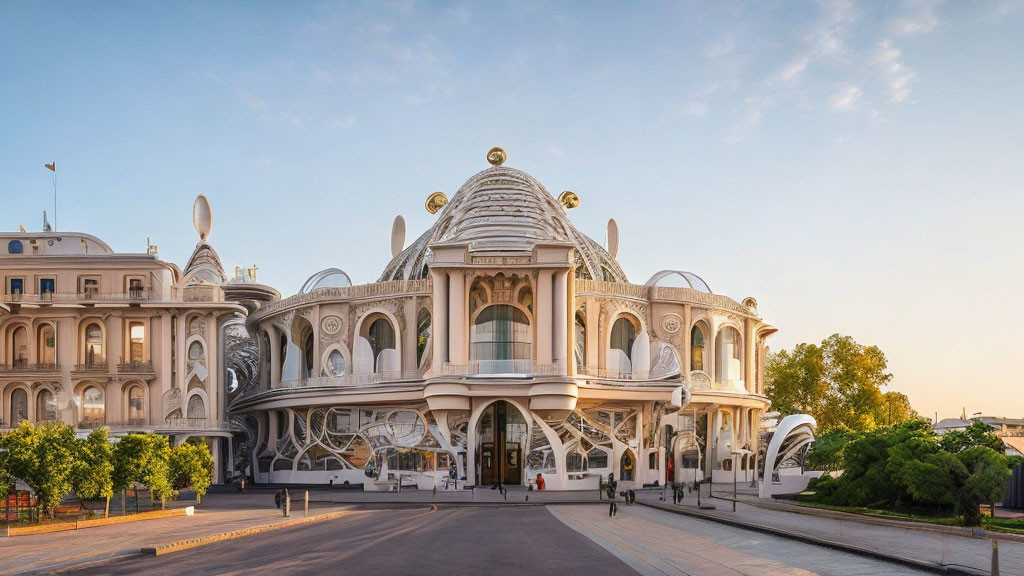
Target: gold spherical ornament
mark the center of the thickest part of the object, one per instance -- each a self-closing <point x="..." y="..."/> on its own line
<point x="435" y="202"/>
<point x="569" y="199"/>
<point x="496" y="156"/>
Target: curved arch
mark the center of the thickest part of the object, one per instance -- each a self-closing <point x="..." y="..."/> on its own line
<point x="424" y="336"/>
<point x="699" y="334"/>
<point x="18" y="404"/>
<point x="200" y="394"/>
<point x="793" y="434"/>
<point x="46" y="342"/>
<point x="328" y="278"/>
<point x="580" y="339"/>
<point x="18" y="344"/>
<point x="730" y="357"/>
<point x="46" y="405"/>
<point x="328" y="366"/>
<point x="361" y="330"/>
<point x="93" y="348"/>
<point x="91" y="401"/>
<point x="501" y="339"/>
<point x="680" y="279"/>
<point x="134" y="406"/>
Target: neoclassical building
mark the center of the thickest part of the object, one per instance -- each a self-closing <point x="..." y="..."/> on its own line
<point x="502" y="343"/>
<point x="94" y="338"/>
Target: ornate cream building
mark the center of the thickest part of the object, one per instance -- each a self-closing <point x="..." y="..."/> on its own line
<point x="93" y="338"/>
<point x="501" y="344"/>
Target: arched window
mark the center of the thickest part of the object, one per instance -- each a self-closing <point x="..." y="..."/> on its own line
<point x="92" y="407"/>
<point x="623" y="335"/>
<point x="136" y="406"/>
<point x="307" y="352"/>
<point x="137" y="346"/>
<point x="19" y="406"/>
<point x="335" y="364"/>
<point x="196" y="407"/>
<point x="422" y="335"/>
<point x="46" y="406"/>
<point x="19" y="346"/>
<point x="696" y="348"/>
<point x="93" y="345"/>
<point x="500" y="340"/>
<point x="381" y="336"/>
<point x="47" y="345"/>
<point x="626" y="466"/>
<point x="581" y="342"/>
<point x="729" y="355"/>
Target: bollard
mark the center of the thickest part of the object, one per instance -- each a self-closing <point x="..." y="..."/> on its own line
<point x="306" y="506"/>
<point x="287" y="503"/>
<point x="995" y="558"/>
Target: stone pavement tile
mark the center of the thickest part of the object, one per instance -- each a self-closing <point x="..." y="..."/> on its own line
<point x="60" y="549"/>
<point x="669" y="551"/>
<point x="664" y="543"/>
<point x="919" y="545"/>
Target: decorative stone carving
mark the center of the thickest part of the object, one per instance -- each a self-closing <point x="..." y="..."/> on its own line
<point x="671" y="323"/>
<point x="331" y="325"/>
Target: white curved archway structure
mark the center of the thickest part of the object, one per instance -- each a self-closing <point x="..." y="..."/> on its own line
<point x="794" y="434"/>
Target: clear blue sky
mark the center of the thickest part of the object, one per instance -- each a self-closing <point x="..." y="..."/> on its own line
<point x="855" y="167"/>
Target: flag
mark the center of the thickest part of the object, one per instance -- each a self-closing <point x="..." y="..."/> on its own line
<point x="52" y="167"/>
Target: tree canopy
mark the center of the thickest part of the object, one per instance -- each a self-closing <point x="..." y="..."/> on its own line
<point x="43" y="456"/>
<point x="191" y="465"/>
<point x="838" y="382"/>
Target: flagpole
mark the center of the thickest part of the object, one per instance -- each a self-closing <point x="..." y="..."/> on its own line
<point x="55" y="197"/>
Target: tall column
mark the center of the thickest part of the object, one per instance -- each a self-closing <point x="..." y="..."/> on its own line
<point x="275" y="354"/>
<point x="439" y="321"/>
<point x="560" y="318"/>
<point x="748" y="354"/>
<point x="544" y="317"/>
<point x="458" y="350"/>
<point x="687" y="343"/>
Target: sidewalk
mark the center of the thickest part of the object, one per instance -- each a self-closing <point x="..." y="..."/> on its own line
<point x="923" y="547"/>
<point x="218" y="513"/>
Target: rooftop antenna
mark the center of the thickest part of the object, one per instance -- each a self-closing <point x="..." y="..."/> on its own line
<point x="46" y="223"/>
<point x="53" y="168"/>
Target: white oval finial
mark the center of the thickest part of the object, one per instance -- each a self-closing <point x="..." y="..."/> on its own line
<point x="613" y="237"/>
<point x="202" y="217"/>
<point x="397" y="236"/>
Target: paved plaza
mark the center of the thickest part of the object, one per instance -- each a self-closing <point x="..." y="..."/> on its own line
<point x="483" y="531"/>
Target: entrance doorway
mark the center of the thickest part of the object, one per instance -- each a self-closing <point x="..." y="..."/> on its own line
<point x="502" y="434"/>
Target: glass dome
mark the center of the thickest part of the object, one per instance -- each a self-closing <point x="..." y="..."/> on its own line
<point x="329" y="278"/>
<point x="679" y="279"/>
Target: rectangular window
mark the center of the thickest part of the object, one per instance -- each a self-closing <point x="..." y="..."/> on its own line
<point x="135" y="287"/>
<point x="90" y="287"/>
<point x="46" y="286"/>
<point x="16" y="286"/>
<point x="137" y="332"/>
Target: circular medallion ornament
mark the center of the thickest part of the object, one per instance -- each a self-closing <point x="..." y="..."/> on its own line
<point x="331" y="325"/>
<point x="671" y="323"/>
<point x="496" y="156"/>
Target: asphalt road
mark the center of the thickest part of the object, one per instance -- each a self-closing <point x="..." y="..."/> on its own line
<point x="449" y="541"/>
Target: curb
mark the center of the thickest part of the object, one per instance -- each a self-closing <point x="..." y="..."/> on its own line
<point x="13" y="531"/>
<point x="842" y="546"/>
<point x="179" y="545"/>
<point x="453" y="504"/>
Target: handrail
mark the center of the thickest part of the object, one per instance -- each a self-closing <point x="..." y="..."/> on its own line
<point x="100" y="366"/>
<point x="135" y="367"/>
<point x="610" y="374"/>
<point x="192" y="424"/>
<point x="637" y="291"/>
<point x="503" y="367"/>
<point x="348" y="380"/>
<point x="376" y="289"/>
<point x="77" y="297"/>
<point x="25" y="367"/>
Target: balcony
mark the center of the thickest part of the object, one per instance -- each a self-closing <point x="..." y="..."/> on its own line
<point x="22" y="367"/>
<point x="85" y="297"/>
<point x="349" y="380"/>
<point x="607" y="374"/>
<point x="99" y="366"/>
<point x="135" y="368"/>
<point x="503" y="369"/>
<point x="193" y="424"/>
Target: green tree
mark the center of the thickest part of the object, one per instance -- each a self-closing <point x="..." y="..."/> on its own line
<point x="143" y="459"/>
<point x="827" y="451"/>
<point x="977" y="434"/>
<point x="896" y="409"/>
<point x="93" y="471"/>
<point x="838" y="382"/>
<point x="191" y="464"/>
<point x="986" y="483"/>
<point x="43" y="457"/>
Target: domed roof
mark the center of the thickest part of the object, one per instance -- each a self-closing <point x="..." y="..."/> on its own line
<point x="329" y="278"/>
<point x="679" y="279"/>
<point x="502" y="209"/>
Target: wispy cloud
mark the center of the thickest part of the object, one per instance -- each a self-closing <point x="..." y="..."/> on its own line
<point x="845" y="98"/>
<point x="722" y="47"/>
<point x="917" y="17"/>
<point x="894" y="73"/>
<point x="750" y="117"/>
